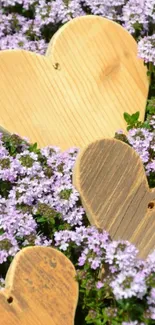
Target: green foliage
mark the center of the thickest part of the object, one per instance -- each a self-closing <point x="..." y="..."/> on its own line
<point x="5" y="187"/>
<point x="13" y="143"/>
<point x="34" y="148"/>
<point x="150" y="109"/>
<point x="27" y="161"/>
<point x="133" y="121"/>
<point x="65" y="194"/>
<point x="96" y="306"/>
<point x="122" y="137"/>
<point x="49" y="220"/>
<point x="1" y="231"/>
<point x="151" y="180"/>
<point x="102" y="307"/>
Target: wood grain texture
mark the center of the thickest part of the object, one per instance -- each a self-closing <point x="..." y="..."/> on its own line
<point x="41" y="282"/>
<point x="110" y="178"/>
<point x="98" y="78"/>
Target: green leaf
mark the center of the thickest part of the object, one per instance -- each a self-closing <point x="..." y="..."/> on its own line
<point x="1" y="231"/>
<point x="135" y="117"/>
<point x="127" y="118"/>
<point x="146" y="125"/>
<point x="41" y="219"/>
<point x="33" y="148"/>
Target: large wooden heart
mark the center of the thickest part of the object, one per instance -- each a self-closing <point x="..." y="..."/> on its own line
<point x="111" y="180"/>
<point x="79" y="91"/>
<point x="40" y="289"/>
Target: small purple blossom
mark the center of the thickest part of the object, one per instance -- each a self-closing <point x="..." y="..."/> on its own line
<point x="29" y="33"/>
<point x="143" y="141"/>
<point x="129" y="284"/>
<point x="40" y="190"/>
<point x="146" y="49"/>
<point x="99" y="285"/>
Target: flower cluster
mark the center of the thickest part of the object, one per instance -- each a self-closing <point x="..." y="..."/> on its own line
<point x="124" y="283"/>
<point x="20" y="41"/>
<point x="35" y="188"/>
<point x="30" y="24"/>
<point x="142" y="138"/>
<point x="146" y="49"/>
<point x="143" y="141"/>
<point x="40" y="206"/>
<point x="38" y="202"/>
<point x="135" y="17"/>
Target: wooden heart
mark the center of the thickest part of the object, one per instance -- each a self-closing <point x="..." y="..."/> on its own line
<point x="79" y="91"/>
<point x="111" y="180"/>
<point x="40" y="289"/>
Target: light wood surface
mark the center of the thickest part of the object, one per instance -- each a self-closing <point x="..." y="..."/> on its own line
<point x="4" y="131"/>
<point x="110" y="178"/>
<point x="40" y="289"/>
<point x="79" y="91"/>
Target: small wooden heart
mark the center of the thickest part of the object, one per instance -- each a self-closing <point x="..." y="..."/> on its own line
<point x="111" y="180"/>
<point x="79" y="91"/>
<point x="40" y="289"/>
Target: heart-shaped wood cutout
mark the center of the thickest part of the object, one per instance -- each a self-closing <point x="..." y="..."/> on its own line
<point x="111" y="180"/>
<point x="40" y="289"/>
<point x="79" y="91"/>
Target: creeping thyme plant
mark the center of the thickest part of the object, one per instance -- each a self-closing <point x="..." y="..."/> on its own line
<point x="40" y="206"/>
<point x="38" y="202"/>
<point x="30" y="24"/>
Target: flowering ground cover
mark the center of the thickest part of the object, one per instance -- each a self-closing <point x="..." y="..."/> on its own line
<point x="38" y="203"/>
<point x="40" y="206"/>
<point x="30" y="24"/>
<point x="30" y="21"/>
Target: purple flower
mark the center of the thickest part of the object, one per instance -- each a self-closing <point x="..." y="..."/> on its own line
<point x="143" y="141"/>
<point x="146" y="49"/>
<point x="122" y="255"/>
<point x="99" y="285"/>
<point x="8" y="247"/>
<point x="129" y="284"/>
<point x="134" y="14"/>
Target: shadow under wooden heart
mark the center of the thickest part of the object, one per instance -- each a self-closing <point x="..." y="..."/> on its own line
<point x="40" y="289"/>
<point x="111" y="180"/>
<point x="79" y="91"/>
